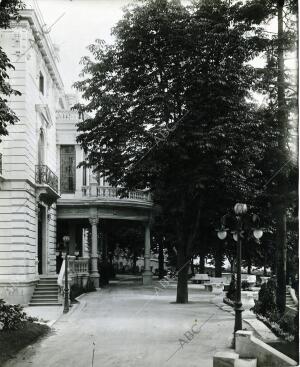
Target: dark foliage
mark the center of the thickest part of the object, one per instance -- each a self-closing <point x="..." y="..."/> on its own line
<point x="12" y="317"/>
<point x="266" y="303"/>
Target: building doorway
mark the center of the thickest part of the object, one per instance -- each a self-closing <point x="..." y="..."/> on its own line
<point x="41" y="251"/>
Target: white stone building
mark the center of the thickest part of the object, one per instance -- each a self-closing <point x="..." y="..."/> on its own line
<point x="41" y="187"/>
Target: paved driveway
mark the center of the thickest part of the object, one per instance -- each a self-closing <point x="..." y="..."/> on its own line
<point x="128" y="325"/>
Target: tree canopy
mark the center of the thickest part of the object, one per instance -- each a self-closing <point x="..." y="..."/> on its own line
<point x="173" y="111"/>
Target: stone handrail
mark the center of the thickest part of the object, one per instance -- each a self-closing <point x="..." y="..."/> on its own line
<point x="112" y="193"/>
<point x="293" y="295"/>
<point x="61" y="275"/>
<point x="81" y="266"/>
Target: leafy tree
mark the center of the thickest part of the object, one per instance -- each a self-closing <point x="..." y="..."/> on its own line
<point x="8" y="11"/>
<point x="173" y="112"/>
<point x="277" y="84"/>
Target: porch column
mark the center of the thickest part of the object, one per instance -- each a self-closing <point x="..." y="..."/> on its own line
<point x="147" y="274"/>
<point x="94" y="268"/>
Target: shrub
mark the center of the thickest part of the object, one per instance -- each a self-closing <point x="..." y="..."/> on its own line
<point x="75" y="291"/>
<point x="231" y="293"/>
<point x="266" y="303"/>
<point x="12" y="317"/>
<point x="89" y="286"/>
<point x="245" y="285"/>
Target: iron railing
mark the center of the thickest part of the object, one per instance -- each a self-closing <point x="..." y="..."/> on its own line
<point x="44" y="176"/>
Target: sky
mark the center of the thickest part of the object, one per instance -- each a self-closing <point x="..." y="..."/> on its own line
<point x="83" y="22"/>
<point x="78" y="23"/>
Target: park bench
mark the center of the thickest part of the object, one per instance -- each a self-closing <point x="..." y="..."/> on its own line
<point x="200" y="278"/>
<point x="217" y="285"/>
<point x="251" y="279"/>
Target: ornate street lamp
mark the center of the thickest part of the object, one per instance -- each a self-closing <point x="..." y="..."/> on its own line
<point x="240" y="211"/>
<point x="65" y="252"/>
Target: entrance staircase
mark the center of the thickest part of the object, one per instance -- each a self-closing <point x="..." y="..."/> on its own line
<point x="46" y="292"/>
<point x="290" y="302"/>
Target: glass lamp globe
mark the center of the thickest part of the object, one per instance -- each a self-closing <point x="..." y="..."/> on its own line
<point x="57" y="253"/>
<point x="257" y="233"/>
<point x="235" y="236"/>
<point x="222" y="234"/>
<point x="76" y="253"/>
<point x="66" y="238"/>
<point x="240" y="209"/>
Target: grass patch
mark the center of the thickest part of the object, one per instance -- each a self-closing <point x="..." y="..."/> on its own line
<point x="12" y="341"/>
<point x="290" y="349"/>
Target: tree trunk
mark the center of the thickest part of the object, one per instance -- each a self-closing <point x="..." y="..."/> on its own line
<point x="182" y="283"/>
<point x="249" y="267"/>
<point x="265" y="270"/>
<point x="192" y="267"/>
<point x="281" y="245"/>
<point x="231" y="266"/>
<point x="218" y="260"/>
<point x="161" y="260"/>
<point x="202" y="264"/>
<point x="134" y="262"/>
<point x="281" y="261"/>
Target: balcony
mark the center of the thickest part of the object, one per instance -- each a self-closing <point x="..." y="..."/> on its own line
<point x="107" y="192"/>
<point x="67" y="115"/>
<point x="47" y="184"/>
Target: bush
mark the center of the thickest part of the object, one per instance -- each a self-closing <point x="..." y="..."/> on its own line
<point x="89" y="286"/>
<point x="245" y="285"/>
<point x="266" y="303"/>
<point x="76" y="290"/>
<point x="12" y="317"/>
<point x="231" y="293"/>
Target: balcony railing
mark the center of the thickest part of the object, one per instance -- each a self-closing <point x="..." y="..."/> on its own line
<point x="107" y="192"/>
<point x="67" y="115"/>
<point x="44" y="176"/>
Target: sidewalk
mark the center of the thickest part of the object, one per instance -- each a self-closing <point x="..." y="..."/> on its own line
<point x="45" y="314"/>
<point x="129" y="325"/>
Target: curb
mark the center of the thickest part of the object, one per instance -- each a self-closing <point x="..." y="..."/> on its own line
<point x="261" y="330"/>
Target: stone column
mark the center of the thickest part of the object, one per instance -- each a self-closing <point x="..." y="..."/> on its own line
<point x="147" y="274"/>
<point x="94" y="268"/>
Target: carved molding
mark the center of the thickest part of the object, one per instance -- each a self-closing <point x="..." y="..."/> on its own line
<point x="94" y="221"/>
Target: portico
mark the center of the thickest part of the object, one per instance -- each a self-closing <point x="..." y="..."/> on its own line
<point x="87" y="212"/>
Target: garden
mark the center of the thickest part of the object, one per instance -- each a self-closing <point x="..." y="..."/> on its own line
<point x="17" y="330"/>
<point x="284" y="325"/>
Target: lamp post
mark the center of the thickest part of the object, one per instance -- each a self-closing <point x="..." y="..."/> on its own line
<point x="240" y="211"/>
<point x="66" y="240"/>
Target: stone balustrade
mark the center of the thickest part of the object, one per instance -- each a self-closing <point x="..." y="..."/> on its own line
<point x="107" y="192"/>
<point x="67" y="115"/>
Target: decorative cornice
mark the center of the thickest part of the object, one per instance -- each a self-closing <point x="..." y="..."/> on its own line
<point x="44" y="110"/>
<point x="43" y="42"/>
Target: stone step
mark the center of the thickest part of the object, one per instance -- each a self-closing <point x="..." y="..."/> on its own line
<point x="44" y="300"/>
<point x="45" y="291"/>
<point x="45" y="304"/>
<point x="45" y="297"/>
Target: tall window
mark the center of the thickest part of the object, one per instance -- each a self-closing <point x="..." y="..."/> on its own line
<point x="41" y="83"/>
<point x="67" y="168"/>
